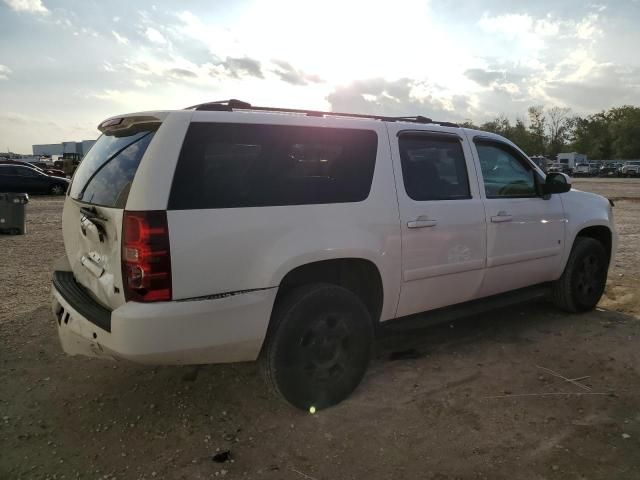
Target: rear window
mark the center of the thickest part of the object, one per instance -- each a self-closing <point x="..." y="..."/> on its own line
<point x="433" y="167"/>
<point x="243" y="165"/>
<point x="105" y="174"/>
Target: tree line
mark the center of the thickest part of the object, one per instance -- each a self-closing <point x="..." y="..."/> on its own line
<point x="609" y="135"/>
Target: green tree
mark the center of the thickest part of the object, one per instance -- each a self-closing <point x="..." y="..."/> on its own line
<point x="499" y="125"/>
<point x="560" y="125"/>
<point x="624" y="129"/>
<point x="592" y="136"/>
<point x="537" y="127"/>
<point x="521" y="136"/>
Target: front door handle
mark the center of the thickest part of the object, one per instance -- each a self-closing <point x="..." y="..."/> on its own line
<point x="422" y="222"/>
<point x="502" y="217"/>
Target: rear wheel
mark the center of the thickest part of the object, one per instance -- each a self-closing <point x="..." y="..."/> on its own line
<point x="582" y="284"/>
<point x="57" y="189"/>
<point x="318" y="346"/>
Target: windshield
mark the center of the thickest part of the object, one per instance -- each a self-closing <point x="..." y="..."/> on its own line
<point x="104" y="176"/>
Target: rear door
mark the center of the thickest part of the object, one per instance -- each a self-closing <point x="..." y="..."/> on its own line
<point x="32" y="180"/>
<point x="92" y="216"/>
<point x="525" y="231"/>
<point x="442" y="218"/>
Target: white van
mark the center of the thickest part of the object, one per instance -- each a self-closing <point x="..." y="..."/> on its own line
<point x="229" y="233"/>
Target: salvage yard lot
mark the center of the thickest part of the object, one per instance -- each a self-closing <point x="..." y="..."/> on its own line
<point x="461" y="400"/>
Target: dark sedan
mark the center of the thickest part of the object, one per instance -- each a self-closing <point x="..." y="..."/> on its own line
<point x="19" y="178"/>
<point x="40" y="166"/>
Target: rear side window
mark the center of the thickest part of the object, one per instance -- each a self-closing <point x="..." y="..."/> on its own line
<point x="105" y="174"/>
<point x="27" y="172"/>
<point x="246" y="165"/>
<point x="433" y="167"/>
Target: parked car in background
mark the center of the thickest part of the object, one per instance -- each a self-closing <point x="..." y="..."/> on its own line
<point x="608" y="170"/>
<point x="581" y="170"/>
<point x="594" y="168"/>
<point x="631" y="169"/>
<point x="22" y="178"/>
<point x="560" y="168"/>
<point x="540" y="161"/>
<point x="67" y="165"/>
<point x="49" y="171"/>
<point x="224" y="233"/>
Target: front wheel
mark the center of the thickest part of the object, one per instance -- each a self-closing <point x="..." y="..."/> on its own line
<point x="57" y="189"/>
<point x="582" y="284"/>
<point x="318" y="347"/>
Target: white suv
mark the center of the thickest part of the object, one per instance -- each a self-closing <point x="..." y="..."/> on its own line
<point x="630" y="169"/>
<point x="228" y="233"/>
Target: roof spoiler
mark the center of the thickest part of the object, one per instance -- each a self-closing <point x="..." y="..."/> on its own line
<point x="116" y="124"/>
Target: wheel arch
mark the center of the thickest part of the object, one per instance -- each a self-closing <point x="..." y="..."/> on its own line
<point x="359" y="275"/>
<point x="601" y="233"/>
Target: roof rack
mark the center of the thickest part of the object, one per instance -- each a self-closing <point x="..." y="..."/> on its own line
<point x="234" y="104"/>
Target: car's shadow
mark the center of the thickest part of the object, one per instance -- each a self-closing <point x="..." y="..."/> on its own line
<point x="513" y="324"/>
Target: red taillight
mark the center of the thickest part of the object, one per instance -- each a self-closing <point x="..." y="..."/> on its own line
<point x="146" y="258"/>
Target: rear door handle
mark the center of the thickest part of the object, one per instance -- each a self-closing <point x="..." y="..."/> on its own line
<point x="422" y="222"/>
<point x="502" y="217"/>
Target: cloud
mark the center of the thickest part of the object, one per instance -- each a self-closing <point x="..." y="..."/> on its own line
<point x="401" y="97"/>
<point x="238" y="68"/>
<point x="288" y="74"/>
<point x="142" y="83"/>
<point x="19" y="131"/>
<point x="30" y="6"/>
<point x="483" y="77"/>
<point x="606" y="85"/>
<point x="120" y="39"/>
<point x="155" y="36"/>
<point x="4" y="72"/>
<point x="536" y="33"/>
<point x="181" y="73"/>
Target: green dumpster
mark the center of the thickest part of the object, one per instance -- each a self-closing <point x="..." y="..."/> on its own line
<point x="13" y="217"/>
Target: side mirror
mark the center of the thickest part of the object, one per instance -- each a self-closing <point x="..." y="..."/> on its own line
<point x="556" y="182"/>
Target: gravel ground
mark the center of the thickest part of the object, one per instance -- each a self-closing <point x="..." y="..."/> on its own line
<point x="474" y="399"/>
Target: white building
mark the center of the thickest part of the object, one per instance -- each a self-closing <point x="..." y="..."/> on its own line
<point x="79" y="148"/>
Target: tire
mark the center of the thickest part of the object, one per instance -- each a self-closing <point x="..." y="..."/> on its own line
<point x="582" y="283"/>
<point x="318" y="346"/>
<point x="57" y="189"/>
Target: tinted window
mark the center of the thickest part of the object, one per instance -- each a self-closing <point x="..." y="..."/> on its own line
<point x="505" y="172"/>
<point x="242" y="165"/>
<point x="433" y="167"/>
<point x="105" y="174"/>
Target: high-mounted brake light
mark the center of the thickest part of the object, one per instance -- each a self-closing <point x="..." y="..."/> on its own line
<point x="110" y="123"/>
<point x="146" y="257"/>
<point x="114" y="125"/>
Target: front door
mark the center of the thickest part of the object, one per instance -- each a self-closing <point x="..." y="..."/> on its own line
<point x="525" y="231"/>
<point x="442" y="217"/>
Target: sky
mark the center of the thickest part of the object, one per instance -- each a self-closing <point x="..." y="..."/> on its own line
<point x="66" y="65"/>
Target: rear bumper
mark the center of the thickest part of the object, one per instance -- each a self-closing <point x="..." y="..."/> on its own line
<point x="230" y="329"/>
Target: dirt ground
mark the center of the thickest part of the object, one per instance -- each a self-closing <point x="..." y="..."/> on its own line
<point x="468" y="400"/>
